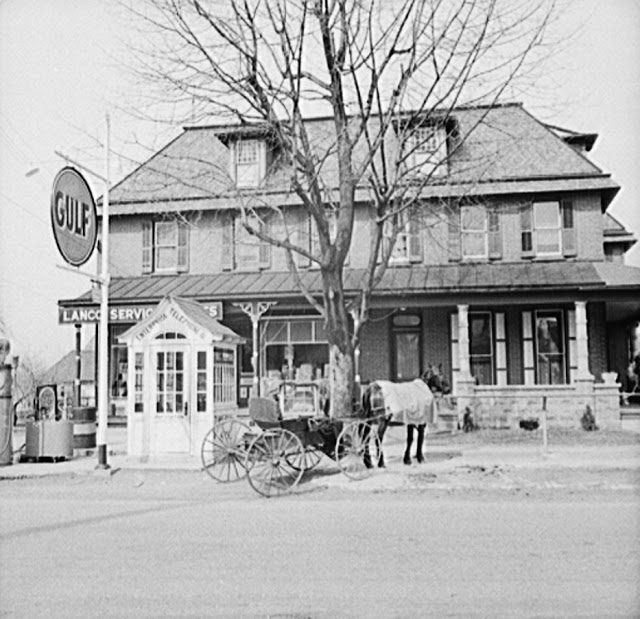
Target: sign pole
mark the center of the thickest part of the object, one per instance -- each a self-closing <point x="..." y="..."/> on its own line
<point x="103" y="340"/>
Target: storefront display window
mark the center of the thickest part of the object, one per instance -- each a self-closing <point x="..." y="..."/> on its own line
<point x="295" y="349"/>
<point x="119" y="365"/>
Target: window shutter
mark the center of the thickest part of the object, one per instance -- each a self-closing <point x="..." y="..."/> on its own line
<point x="228" y="247"/>
<point x="495" y="235"/>
<point x="232" y="161"/>
<point x="568" y="230"/>
<point x="147" y="246"/>
<point x="303" y="237"/>
<point x="455" y="249"/>
<point x="526" y="229"/>
<point x="264" y="251"/>
<point x="455" y="354"/>
<point x="573" y="345"/>
<point x="183" y="247"/>
<point x="415" y="242"/>
<point x="501" y="349"/>
<point x="528" y="358"/>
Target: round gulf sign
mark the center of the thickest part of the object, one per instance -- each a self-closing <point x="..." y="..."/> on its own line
<point x="73" y="216"/>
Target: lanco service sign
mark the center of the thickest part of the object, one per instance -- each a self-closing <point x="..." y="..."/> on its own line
<point x="73" y="216"/>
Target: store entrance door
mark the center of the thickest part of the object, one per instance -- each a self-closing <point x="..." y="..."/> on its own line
<point x="171" y="413"/>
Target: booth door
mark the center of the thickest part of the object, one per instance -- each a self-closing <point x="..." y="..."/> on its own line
<point x="171" y="413"/>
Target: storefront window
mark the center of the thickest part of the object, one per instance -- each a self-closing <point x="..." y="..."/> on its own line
<point x="119" y="365"/>
<point x="224" y="376"/>
<point x="295" y="349"/>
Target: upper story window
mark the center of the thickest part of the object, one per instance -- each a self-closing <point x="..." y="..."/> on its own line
<point x="427" y="151"/>
<point x="408" y="241"/>
<point x="165" y="247"/>
<point x="548" y="229"/>
<point x="248" y="162"/>
<point x="473" y="231"/>
<point x="242" y="250"/>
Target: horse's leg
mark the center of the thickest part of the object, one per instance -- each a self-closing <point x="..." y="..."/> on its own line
<point x="420" y="442"/>
<point x="364" y="430"/>
<point x="382" y="428"/>
<point x="407" y="452"/>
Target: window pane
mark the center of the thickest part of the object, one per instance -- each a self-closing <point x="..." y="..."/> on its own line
<point x="166" y="257"/>
<point x="548" y="241"/>
<point x="202" y="360"/>
<point x="166" y="233"/>
<point x="549" y="334"/>
<point x="546" y="214"/>
<point x="407" y="356"/>
<point x="474" y="218"/>
<point x="276" y="331"/>
<point x="247" y="151"/>
<point x="301" y="331"/>
<point x="406" y="320"/>
<point x="480" y="334"/>
<point x="474" y="244"/>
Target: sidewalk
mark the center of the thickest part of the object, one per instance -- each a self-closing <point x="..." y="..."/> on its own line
<point x="440" y="459"/>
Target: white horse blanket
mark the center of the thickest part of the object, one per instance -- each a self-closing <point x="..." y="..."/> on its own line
<point x="409" y="402"/>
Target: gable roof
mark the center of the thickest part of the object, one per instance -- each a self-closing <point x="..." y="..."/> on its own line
<point x="616" y="234"/>
<point x="505" y="150"/>
<point x="186" y="311"/>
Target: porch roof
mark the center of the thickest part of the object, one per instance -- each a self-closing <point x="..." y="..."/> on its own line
<point x="462" y="278"/>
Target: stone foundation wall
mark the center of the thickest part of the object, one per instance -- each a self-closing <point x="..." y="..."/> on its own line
<point x="504" y="407"/>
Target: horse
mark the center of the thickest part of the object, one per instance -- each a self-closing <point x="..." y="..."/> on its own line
<point x="408" y="403"/>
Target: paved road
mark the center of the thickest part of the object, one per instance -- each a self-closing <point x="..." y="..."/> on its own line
<point x="175" y="544"/>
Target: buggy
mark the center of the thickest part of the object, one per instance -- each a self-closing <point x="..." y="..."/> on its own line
<point x="275" y="453"/>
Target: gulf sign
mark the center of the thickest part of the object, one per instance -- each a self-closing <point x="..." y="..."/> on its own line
<point x="73" y="216"/>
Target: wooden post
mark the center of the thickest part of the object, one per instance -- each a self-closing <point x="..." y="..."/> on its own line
<point x="255" y="310"/>
<point x="544" y="424"/>
<point x="77" y="382"/>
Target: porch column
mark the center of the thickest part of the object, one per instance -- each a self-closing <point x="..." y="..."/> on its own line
<point x="255" y="310"/>
<point x="463" y="342"/>
<point x="582" y="343"/>
<point x="465" y="384"/>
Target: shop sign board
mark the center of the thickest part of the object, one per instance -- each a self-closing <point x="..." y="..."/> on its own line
<point x="121" y="314"/>
<point x="73" y="216"/>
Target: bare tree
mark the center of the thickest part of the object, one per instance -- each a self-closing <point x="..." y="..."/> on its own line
<point x="389" y="74"/>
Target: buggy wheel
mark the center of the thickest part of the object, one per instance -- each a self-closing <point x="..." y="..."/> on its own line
<point x="224" y="449"/>
<point x="358" y="449"/>
<point x="268" y="462"/>
<point x="306" y="460"/>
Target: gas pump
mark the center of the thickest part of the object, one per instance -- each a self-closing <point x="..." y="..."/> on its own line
<point x="6" y="408"/>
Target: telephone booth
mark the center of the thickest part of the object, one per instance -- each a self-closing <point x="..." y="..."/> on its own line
<point x="182" y="372"/>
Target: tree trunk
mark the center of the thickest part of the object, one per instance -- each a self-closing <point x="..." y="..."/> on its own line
<point x="341" y="382"/>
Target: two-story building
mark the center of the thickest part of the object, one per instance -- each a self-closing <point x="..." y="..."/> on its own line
<point x="509" y="274"/>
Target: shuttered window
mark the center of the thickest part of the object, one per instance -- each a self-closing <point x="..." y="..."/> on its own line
<point x="165" y="247"/>
<point x="408" y="241"/>
<point x="548" y="229"/>
<point x="240" y="249"/>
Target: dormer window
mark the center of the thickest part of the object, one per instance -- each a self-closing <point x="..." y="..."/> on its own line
<point x="248" y="162"/>
<point x="426" y="149"/>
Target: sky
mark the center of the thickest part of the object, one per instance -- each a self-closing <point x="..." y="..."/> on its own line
<point x="61" y="72"/>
